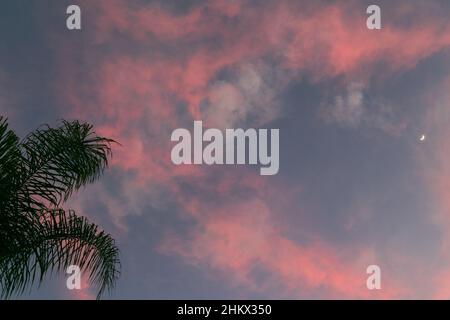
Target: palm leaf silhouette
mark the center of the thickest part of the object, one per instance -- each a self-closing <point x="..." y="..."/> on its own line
<point x="37" y="237"/>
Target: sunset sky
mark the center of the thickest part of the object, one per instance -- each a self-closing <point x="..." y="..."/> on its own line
<point x="355" y="187"/>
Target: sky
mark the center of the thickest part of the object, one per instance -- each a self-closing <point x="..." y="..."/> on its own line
<point x="356" y="186"/>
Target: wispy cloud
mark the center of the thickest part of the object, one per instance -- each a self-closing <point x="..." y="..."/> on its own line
<point x="147" y="69"/>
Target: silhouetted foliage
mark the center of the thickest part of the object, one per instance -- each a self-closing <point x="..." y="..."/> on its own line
<point x="37" y="237"/>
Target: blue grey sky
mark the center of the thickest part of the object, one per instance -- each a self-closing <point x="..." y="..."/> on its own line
<point x="356" y="186"/>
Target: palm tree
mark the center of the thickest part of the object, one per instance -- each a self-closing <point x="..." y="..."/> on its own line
<point x="37" y="237"/>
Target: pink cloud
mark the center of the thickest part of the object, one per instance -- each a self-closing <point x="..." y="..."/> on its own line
<point x="137" y="96"/>
<point x="242" y="239"/>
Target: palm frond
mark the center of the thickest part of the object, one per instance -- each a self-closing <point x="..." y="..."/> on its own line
<point x="54" y="241"/>
<point x="36" y="176"/>
<point x="9" y="162"/>
<point x="60" y="161"/>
